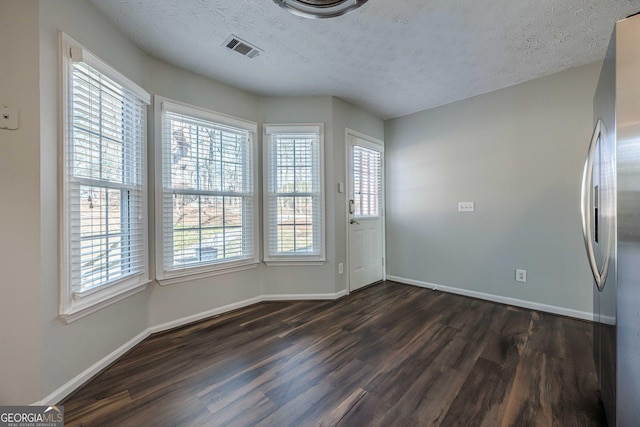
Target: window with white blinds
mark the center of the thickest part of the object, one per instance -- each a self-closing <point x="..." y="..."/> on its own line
<point x="104" y="169"/>
<point x="294" y="193"/>
<point x="208" y="199"/>
<point x="367" y="182"/>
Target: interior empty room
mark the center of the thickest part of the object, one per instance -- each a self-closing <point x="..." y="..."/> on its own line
<point x="336" y="213"/>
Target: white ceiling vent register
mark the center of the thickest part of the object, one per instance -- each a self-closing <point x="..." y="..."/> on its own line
<point x="320" y="8"/>
<point x="242" y="47"/>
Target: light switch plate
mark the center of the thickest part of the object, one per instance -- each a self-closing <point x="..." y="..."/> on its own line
<point x="8" y="118"/>
<point x="466" y="206"/>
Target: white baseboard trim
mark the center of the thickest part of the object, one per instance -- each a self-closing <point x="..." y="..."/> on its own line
<point x="70" y="386"/>
<point x="608" y="320"/>
<point x="582" y="315"/>
<point x="203" y="315"/>
<point x="302" y="297"/>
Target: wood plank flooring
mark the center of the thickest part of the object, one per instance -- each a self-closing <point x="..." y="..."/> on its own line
<point x="388" y="355"/>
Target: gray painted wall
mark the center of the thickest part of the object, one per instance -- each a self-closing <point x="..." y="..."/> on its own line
<point x="19" y="205"/>
<point x="518" y="153"/>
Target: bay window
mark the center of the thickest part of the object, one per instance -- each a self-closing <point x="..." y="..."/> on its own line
<point x="207" y="208"/>
<point x="294" y="193"/>
<point x="104" y="188"/>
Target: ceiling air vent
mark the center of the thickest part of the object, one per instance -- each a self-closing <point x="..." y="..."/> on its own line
<point x="242" y="47"/>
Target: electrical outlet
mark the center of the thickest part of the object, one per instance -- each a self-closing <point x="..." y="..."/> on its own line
<point x="521" y="275"/>
<point x="466" y="206"/>
<point x="340" y="268"/>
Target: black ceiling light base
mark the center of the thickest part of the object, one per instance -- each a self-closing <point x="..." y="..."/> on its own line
<point x="320" y="8"/>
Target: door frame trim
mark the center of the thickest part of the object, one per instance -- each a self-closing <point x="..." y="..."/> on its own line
<point x="376" y="144"/>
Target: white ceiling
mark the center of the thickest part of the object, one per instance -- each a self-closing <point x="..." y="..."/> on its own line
<point x="391" y="57"/>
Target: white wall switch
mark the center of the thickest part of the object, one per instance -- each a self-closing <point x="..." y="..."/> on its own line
<point x="466" y="206"/>
<point x="8" y="118"/>
<point x="340" y="187"/>
<point x="521" y="275"/>
<point x="340" y="268"/>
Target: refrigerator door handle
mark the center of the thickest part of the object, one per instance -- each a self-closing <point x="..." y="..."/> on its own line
<point x="600" y="275"/>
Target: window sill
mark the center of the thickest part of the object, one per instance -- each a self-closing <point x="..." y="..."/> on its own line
<point x="89" y="304"/>
<point x="177" y="277"/>
<point x="294" y="262"/>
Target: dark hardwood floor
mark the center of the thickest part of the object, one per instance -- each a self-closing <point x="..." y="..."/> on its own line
<point x="388" y="355"/>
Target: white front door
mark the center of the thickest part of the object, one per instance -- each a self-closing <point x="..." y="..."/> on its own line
<point x="365" y="203"/>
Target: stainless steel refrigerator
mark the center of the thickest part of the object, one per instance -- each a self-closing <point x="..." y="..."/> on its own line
<point x="611" y="225"/>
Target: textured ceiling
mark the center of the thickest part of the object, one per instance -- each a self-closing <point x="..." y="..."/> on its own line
<point x="391" y="57"/>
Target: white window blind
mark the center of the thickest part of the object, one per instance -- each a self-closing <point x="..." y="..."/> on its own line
<point x="105" y="177"/>
<point x="367" y="182"/>
<point x="208" y="201"/>
<point x="294" y="200"/>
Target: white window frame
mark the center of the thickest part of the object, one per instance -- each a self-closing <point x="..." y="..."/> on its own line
<point x="170" y="276"/>
<point x="75" y="304"/>
<point x="365" y="145"/>
<point x="295" y="259"/>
